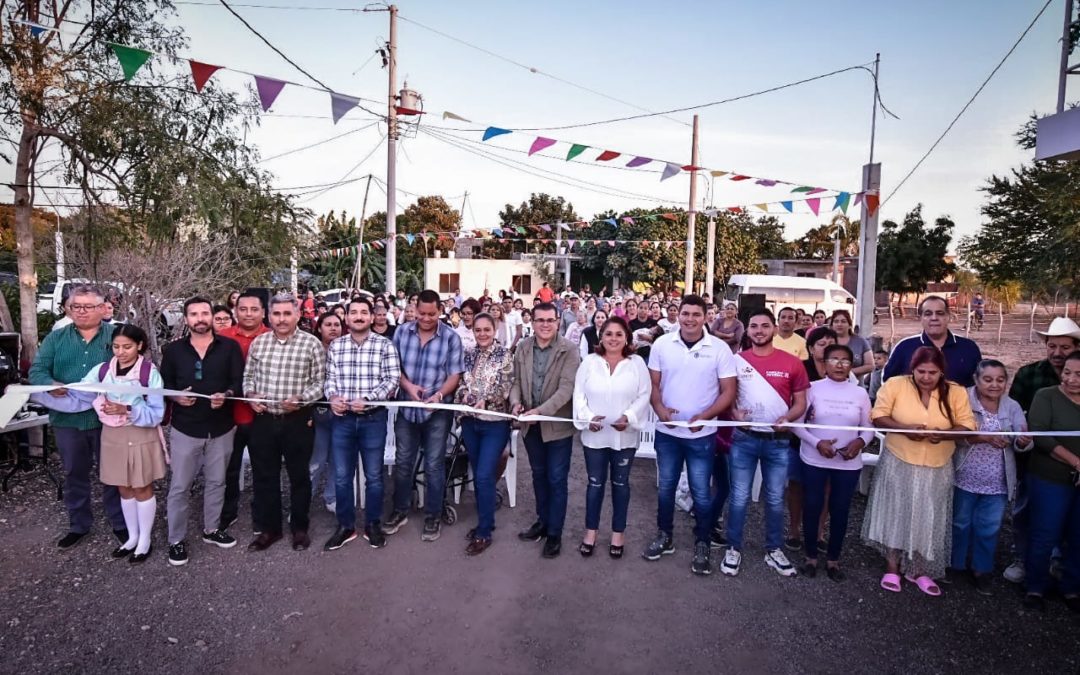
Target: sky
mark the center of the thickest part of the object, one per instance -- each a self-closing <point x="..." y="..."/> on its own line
<point x="655" y="56"/>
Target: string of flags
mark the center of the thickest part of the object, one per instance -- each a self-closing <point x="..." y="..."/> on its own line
<point x="570" y="244"/>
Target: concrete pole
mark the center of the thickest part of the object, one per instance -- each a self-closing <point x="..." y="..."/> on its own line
<point x="710" y="265"/>
<point x="61" y="272"/>
<point x="691" y="216"/>
<point x="1064" y="74"/>
<point x="293" y="273"/>
<point x="391" y="158"/>
<point x="868" y="230"/>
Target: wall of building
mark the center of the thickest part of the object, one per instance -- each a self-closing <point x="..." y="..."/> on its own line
<point x="474" y="275"/>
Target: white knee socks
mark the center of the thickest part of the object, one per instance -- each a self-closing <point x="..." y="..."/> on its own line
<point x="146" y="511"/>
<point x="131" y="520"/>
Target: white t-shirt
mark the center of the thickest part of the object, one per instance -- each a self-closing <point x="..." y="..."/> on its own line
<point x="690" y="377"/>
<point x="668" y="326"/>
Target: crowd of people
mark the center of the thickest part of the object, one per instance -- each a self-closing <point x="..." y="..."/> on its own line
<point x="309" y="386"/>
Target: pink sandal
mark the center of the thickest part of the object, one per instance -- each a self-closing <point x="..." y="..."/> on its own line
<point x="925" y="584"/>
<point x="891" y="582"/>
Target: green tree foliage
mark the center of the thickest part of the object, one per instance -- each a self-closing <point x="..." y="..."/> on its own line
<point x="1032" y="233"/>
<point x="912" y="255"/>
<point x="658" y="266"/>
<point x="817" y="243"/>
<point x="768" y="232"/>
<point x="541" y="208"/>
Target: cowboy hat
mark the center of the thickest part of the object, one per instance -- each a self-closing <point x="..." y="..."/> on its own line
<point x="1061" y="327"/>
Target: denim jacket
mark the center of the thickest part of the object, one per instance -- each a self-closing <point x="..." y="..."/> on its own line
<point x="1009" y="410"/>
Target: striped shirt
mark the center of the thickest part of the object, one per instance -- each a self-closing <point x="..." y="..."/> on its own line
<point x="370" y="370"/>
<point x="65" y="357"/>
<point x="280" y="369"/>
<point x="427" y="366"/>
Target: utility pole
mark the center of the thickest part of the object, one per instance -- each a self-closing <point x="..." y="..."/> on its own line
<point x="60" y="267"/>
<point x="710" y="265"/>
<point x="360" y="241"/>
<point x="391" y="157"/>
<point x="1065" y="70"/>
<point x="691" y="217"/>
<point x="868" y="230"/>
<point x="836" y="254"/>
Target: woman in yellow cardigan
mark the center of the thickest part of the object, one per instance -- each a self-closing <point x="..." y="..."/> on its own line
<point x="909" y="515"/>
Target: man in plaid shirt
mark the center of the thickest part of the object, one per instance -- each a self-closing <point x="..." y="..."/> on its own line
<point x="432" y="361"/>
<point x="361" y="367"/>
<point x="287" y="367"/>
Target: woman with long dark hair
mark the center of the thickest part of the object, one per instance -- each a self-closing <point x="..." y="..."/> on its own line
<point x="909" y="515"/>
<point x="328" y="328"/>
<point x="590" y="337"/>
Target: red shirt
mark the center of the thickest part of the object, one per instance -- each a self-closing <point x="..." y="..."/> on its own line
<point x="785" y="373"/>
<point x="545" y="294"/>
<point x="242" y="412"/>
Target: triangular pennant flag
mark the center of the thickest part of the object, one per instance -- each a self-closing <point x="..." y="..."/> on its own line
<point x="638" y="161"/>
<point x="339" y="105"/>
<point x="814" y="204"/>
<point x="788" y="206"/>
<point x="596" y="242"/>
<point x="739" y="176"/>
<point x="669" y="171"/>
<point x="656" y="244"/>
<point x="545" y="227"/>
<point x="669" y="216"/>
<point x="611" y="221"/>
<point x="607" y="155"/>
<point x="628" y="220"/>
<point x="816" y="191"/>
<point x="735" y="209"/>
<point x="842" y="200"/>
<point x="540" y="143"/>
<point x="131" y="59"/>
<point x="570" y="244"/>
<point x="492" y="132"/>
<point x="545" y="241"/>
<point x="520" y="229"/>
<point x="691" y="167"/>
<point x="201" y="72"/>
<point x="711" y="213"/>
<point x="871" y="204"/>
<point x="803" y="189"/>
<point x="564" y="226"/>
<point x="497" y="231"/>
<point x="670" y="244"/>
<point x="451" y="116"/>
<point x="268" y="89"/>
<point x="611" y="243"/>
<point x="763" y="207"/>
<point x="36" y="30"/>
<point x="858" y="198"/>
<point x="766" y="182"/>
<point x="718" y="174"/>
<point x="575" y="150"/>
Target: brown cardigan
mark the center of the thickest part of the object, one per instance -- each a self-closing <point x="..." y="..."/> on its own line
<point x="558" y="391"/>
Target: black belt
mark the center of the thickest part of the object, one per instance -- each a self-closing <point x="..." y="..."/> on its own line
<point x="306" y="410"/>
<point x="366" y="412"/>
<point x="768" y="435"/>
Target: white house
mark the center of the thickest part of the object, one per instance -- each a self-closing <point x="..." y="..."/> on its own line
<point x="473" y="275"/>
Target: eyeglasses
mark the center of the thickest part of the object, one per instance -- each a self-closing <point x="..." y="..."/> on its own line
<point x="222" y="319"/>
<point x="85" y="308"/>
<point x="198" y="370"/>
<point x="545" y="320"/>
<point x="838" y="362"/>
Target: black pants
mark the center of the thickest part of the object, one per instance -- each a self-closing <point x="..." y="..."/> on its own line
<point x="231" y="508"/>
<point x="273" y="439"/>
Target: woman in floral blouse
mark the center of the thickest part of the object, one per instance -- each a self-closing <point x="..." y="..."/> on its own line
<point x="489" y="370"/>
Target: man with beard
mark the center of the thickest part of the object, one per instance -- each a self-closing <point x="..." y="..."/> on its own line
<point x="202" y="429"/>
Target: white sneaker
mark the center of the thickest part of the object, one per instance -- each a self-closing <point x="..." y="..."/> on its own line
<point x="1014" y="573"/>
<point x="777" y="560"/>
<point x="731" y="562"/>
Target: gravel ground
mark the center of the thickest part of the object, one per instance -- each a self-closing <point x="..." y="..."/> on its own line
<point x="415" y="605"/>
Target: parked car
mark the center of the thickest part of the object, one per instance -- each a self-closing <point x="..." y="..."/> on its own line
<point x="806" y="293"/>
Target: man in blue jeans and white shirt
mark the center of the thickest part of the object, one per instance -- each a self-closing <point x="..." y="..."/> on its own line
<point x="772" y="392"/>
<point x="693" y="379"/>
<point x="362" y="367"/>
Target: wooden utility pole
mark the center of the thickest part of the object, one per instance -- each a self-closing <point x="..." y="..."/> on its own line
<point x="691" y="216"/>
<point x="391" y="157"/>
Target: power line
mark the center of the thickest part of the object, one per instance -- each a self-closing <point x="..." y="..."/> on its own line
<point x="269" y="44"/>
<point x="968" y="104"/>
<point x="264" y="6"/>
<point x="317" y="144"/>
<point x="356" y="166"/>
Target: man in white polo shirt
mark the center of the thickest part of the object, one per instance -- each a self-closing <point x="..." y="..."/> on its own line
<point x="693" y="379"/>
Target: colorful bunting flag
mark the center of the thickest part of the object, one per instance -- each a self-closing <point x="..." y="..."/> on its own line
<point x="814" y="204"/>
<point x="815" y="191"/>
<point x="451" y="116"/>
<point x="669" y="171"/>
<point x="740" y="177"/>
<point x="691" y="167"/>
<point x="268" y="89"/>
<point x="540" y="143"/>
<point x="611" y="221"/>
<point x="341" y="104"/>
<point x="492" y="132"/>
<point x="669" y="216"/>
<point x="638" y="161"/>
<point x="842" y="200"/>
<point x="788" y="206"/>
<point x="871" y="204"/>
<point x="803" y="189"/>
<point x="36" y="30"/>
<point x="763" y="207"/>
<point x="201" y="72"/>
<point x="628" y="220"/>
<point x="131" y="59"/>
<point x="858" y="198"/>
<point x="607" y="155"/>
<point x="575" y="150"/>
<point x="718" y="174"/>
<point x="766" y="182"/>
<point x="611" y="243"/>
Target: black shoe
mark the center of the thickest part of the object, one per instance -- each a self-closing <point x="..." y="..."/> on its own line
<point x="952" y="575"/>
<point x="661" y="545"/>
<point x="1073" y="603"/>
<point x="373" y="533"/>
<point x="835" y="573"/>
<point x="586" y="550"/>
<point x="471" y="534"/>
<point x="808" y="570"/>
<point x="793" y="544"/>
<point x="536" y="532"/>
<point x="340" y="537"/>
<point x="552" y="547"/>
<point x="432" y="529"/>
<point x="121" y="534"/>
<point x="219" y="538"/>
<point x="226" y="523"/>
<point x="178" y="554"/>
<point x="121" y="552"/>
<point x="983" y="585"/>
<point x="701" y="564"/>
<point x="72" y="538"/>
<point x="1035" y="602"/>
<point x="717" y="538"/>
<point x="139" y="558"/>
<point x="394" y="522"/>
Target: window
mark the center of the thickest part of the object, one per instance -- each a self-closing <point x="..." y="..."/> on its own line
<point x="522" y="283"/>
<point x="842" y="296"/>
<point x="781" y="296"/>
<point x="809" y="275"/>
<point x="809" y="296"/>
<point x="448" y="283"/>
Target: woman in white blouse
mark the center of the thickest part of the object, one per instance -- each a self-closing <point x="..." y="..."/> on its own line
<point x="611" y="403"/>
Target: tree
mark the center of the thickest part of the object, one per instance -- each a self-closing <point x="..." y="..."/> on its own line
<point x="912" y="255"/>
<point x="655" y="265"/>
<point x="172" y="161"/>
<point x="768" y="233"/>
<point x="818" y="243"/>
<point x="1033" y="229"/>
<point x="540" y="209"/>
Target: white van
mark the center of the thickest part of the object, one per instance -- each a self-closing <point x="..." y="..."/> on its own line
<point x="806" y="293"/>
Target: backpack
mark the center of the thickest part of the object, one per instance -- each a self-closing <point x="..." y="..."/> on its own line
<point x="144" y="380"/>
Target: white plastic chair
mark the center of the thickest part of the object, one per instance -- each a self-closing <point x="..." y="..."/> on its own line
<point x="389" y="455"/>
<point x="869" y="461"/>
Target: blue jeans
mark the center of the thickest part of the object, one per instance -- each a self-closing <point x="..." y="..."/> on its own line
<point x="976" y="522"/>
<point x="432" y="434"/>
<point x="814" y="482"/>
<point x="1055" y="515"/>
<point x="698" y="454"/>
<point x="485" y="442"/>
<point x="746" y="451"/>
<point x="364" y="435"/>
<point x="597" y="462"/>
<point x="321" y="454"/>
<point x="721" y="486"/>
<point x="550" y="463"/>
